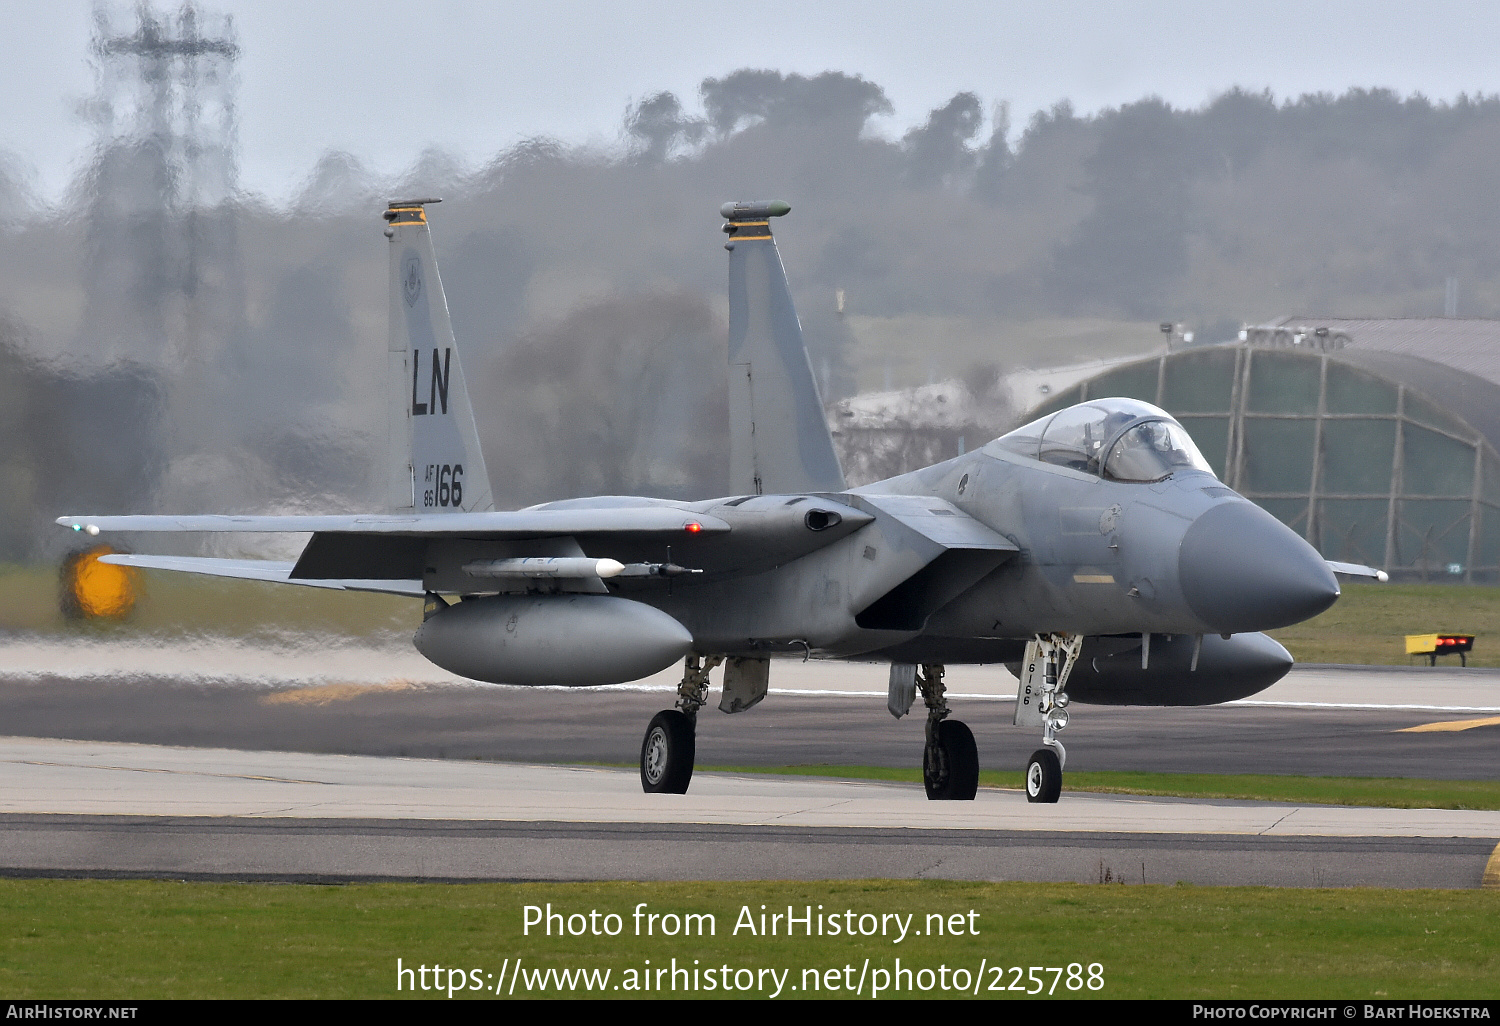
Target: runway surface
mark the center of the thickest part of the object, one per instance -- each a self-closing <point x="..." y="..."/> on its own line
<point x="232" y="762"/>
<point x="94" y="808"/>
<point x="1320" y="734"/>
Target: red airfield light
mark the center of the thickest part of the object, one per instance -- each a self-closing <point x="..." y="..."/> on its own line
<point x="1434" y="645"/>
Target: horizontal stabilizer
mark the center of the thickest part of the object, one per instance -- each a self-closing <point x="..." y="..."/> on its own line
<point x="271" y="570"/>
<point x="526" y="523"/>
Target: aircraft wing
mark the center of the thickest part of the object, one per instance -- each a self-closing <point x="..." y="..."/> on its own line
<point x="433" y="548"/>
<point x="520" y="524"/>
<point x="258" y="570"/>
<point x="1356" y="570"/>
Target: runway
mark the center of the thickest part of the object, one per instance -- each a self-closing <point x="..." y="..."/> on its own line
<point x="1323" y="722"/>
<point x="142" y="762"/>
<point x="91" y="808"/>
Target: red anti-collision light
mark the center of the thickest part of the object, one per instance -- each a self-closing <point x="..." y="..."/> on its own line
<point x="692" y="527"/>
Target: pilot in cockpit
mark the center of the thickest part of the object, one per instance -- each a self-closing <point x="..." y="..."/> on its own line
<point x="1118" y="439"/>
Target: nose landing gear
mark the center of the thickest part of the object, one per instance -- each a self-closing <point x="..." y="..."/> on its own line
<point x="1041" y="702"/>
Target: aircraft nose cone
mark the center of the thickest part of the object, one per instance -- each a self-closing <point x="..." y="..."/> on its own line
<point x="1243" y="570"/>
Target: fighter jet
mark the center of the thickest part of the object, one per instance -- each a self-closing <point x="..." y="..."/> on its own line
<point x="1093" y="551"/>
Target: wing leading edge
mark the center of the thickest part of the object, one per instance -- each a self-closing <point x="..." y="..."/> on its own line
<point x="434" y="549"/>
<point x="517" y="524"/>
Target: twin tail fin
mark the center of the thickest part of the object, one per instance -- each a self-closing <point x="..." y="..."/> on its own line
<point x="436" y="465"/>
<point x="779" y="441"/>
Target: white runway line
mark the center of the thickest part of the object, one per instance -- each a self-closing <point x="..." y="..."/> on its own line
<point x="1369" y="707"/>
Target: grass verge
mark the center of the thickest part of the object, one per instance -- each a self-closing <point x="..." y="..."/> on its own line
<point x="158" y="939"/>
<point x="1369" y="624"/>
<point x="1375" y="792"/>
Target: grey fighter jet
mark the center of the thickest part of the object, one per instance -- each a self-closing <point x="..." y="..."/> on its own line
<point x="1092" y="551"/>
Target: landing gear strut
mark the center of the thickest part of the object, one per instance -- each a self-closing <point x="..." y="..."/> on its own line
<point x="950" y="760"/>
<point x="670" y="744"/>
<point x="1042" y="702"/>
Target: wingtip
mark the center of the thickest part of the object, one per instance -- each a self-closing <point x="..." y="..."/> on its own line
<point x="78" y="524"/>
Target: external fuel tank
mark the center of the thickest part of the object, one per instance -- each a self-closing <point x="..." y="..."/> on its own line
<point x="572" y="640"/>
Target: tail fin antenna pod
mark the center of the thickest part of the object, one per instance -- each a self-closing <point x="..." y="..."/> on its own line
<point x="436" y="465"/>
<point x="778" y="435"/>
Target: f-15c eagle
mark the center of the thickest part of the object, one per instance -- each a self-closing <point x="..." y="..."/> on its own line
<point x="1092" y="550"/>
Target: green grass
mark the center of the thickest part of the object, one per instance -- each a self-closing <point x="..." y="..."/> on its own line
<point x="1376" y="792"/>
<point x="1369" y="623"/>
<point x="155" y="939"/>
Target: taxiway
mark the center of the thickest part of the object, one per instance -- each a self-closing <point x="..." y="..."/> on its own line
<point x="353" y="770"/>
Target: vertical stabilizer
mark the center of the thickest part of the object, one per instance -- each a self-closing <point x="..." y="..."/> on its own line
<point x="778" y="436"/>
<point x="436" y="465"/>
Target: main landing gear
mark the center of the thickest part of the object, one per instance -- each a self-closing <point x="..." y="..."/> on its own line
<point x="670" y="744"/>
<point x="950" y="759"/>
<point x="1041" y="701"/>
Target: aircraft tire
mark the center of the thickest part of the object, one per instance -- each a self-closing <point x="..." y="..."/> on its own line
<point x="1043" y="777"/>
<point x="667" y="753"/>
<point x="951" y="773"/>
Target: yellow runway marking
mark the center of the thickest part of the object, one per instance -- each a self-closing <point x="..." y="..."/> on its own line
<point x="1491" y="881"/>
<point x="326" y="694"/>
<point x="1451" y="725"/>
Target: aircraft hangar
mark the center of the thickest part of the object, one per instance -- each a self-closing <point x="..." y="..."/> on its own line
<point x="1373" y="453"/>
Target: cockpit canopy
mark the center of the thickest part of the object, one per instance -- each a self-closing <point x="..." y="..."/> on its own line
<point x="1118" y="439"/>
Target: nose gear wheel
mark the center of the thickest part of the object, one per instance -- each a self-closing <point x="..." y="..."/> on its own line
<point x="1043" y="777"/>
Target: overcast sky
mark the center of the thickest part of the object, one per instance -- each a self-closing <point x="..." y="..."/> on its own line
<point x="385" y="79"/>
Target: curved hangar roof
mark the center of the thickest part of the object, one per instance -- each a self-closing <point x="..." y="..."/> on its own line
<point x="1375" y="457"/>
<point x="1471" y="345"/>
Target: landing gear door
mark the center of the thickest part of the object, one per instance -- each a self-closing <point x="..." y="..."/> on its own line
<point x="1031" y="710"/>
<point x="902" y="691"/>
<point x="745" y="682"/>
<point x="1029" y="687"/>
